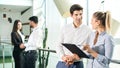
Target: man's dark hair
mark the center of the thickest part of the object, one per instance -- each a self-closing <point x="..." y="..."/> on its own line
<point x="75" y="7"/>
<point x="34" y="19"/>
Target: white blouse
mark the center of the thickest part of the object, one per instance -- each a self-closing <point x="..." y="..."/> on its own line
<point x="22" y="36"/>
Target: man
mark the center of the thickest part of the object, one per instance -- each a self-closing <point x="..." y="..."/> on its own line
<point x="34" y="42"/>
<point x="74" y="33"/>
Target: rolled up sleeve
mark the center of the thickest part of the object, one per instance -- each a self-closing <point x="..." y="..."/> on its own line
<point x="105" y="59"/>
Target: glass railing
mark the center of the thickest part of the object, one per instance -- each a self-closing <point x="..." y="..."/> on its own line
<point x="6" y="60"/>
<point x="47" y="57"/>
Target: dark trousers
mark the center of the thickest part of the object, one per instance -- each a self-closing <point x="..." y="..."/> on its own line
<point x="29" y="59"/>
<point x="17" y="59"/>
<point x="74" y="65"/>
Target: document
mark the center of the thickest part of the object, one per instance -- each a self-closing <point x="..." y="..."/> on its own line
<point x="74" y="49"/>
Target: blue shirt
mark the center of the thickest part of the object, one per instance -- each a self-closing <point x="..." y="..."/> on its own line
<point x="104" y="48"/>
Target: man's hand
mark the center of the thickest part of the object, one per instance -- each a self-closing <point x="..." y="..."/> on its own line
<point x="76" y="57"/>
<point x="69" y="59"/>
<point x="22" y="46"/>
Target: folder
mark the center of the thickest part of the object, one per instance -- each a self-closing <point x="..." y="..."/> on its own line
<point x="74" y="49"/>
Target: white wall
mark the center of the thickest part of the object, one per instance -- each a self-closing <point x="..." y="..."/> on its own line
<point x="5" y="26"/>
<point x="38" y="10"/>
<point x="53" y="23"/>
<point x="94" y="5"/>
<point x="16" y="2"/>
<point x="26" y="15"/>
<point x="24" y="19"/>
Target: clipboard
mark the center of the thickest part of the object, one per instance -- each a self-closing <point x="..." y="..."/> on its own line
<point x="74" y="49"/>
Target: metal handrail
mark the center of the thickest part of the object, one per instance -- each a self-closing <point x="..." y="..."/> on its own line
<point x="6" y="42"/>
<point x="42" y="60"/>
<point x="53" y="51"/>
<point x="115" y="61"/>
<point x="49" y="50"/>
<point x="44" y="50"/>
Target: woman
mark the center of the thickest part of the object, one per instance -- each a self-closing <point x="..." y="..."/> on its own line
<point x="100" y="45"/>
<point x="17" y="38"/>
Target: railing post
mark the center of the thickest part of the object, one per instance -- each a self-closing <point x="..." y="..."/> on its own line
<point x="43" y="66"/>
<point x="3" y="57"/>
<point x="12" y="56"/>
<point x="40" y="58"/>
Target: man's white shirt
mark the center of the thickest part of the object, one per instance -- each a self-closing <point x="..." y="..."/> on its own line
<point x="72" y="35"/>
<point x="35" y="40"/>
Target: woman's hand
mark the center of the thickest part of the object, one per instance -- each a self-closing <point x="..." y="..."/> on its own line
<point x="87" y="48"/>
<point x="22" y="46"/>
<point x="90" y="51"/>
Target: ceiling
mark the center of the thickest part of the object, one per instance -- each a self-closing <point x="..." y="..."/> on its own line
<point x="13" y="8"/>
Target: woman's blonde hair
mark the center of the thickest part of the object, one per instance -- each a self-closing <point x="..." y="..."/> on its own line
<point x="108" y="22"/>
<point x="105" y="19"/>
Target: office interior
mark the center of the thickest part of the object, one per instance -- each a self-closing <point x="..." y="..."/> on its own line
<point x="53" y="15"/>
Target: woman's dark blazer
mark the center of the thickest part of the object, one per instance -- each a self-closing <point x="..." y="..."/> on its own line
<point x="16" y="41"/>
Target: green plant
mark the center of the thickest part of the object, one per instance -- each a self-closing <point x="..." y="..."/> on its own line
<point x="43" y="57"/>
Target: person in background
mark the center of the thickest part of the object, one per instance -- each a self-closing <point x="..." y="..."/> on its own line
<point x="34" y="42"/>
<point x="73" y="33"/>
<point x="100" y="43"/>
<point x="17" y="38"/>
